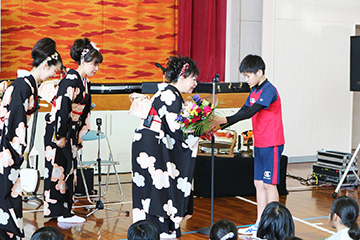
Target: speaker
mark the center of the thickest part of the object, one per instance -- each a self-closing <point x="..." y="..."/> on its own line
<point x="355" y="63"/>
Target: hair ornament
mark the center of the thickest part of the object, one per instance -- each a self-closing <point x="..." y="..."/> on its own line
<point x="84" y="52"/>
<point x="185" y="66"/>
<point x="227" y="236"/>
<point x="94" y="46"/>
<point x="54" y="56"/>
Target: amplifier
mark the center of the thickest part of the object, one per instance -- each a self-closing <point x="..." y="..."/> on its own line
<point x="334" y="159"/>
<point x="330" y="174"/>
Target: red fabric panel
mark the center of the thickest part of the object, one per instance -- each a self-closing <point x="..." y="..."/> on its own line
<point x="202" y="35"/>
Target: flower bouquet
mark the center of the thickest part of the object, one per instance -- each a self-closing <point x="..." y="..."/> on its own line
<point x="195" y="117"/>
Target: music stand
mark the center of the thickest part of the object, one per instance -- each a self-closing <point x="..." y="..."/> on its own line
<point x="206" y="230"/>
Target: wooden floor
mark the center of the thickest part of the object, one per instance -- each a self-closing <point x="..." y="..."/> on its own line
<point x="309" y="206"/>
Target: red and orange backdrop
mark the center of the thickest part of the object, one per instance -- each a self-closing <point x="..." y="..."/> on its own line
<point x="132" y="34"/>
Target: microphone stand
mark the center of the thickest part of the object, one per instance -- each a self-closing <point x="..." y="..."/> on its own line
<point x="206" y="230"/>
<point x="98" y="204"/>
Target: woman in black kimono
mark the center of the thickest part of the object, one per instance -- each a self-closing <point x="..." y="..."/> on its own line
<point x="19" y="102"/>
<point x="163" y="160"/>
<point x="66" y="124"/>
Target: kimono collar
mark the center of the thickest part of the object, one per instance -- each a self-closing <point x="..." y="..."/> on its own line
<point x="21" y="73"/>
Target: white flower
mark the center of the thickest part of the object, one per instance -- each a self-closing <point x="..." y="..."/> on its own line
<point x="137" y="137"/>
<point x="56" y="173"/>
<point x="4" y="217"/>
<point x="146" y="204"/>
<point x="184" y="186"/>
<point x="191" y="140"/>
<point x="138" y="214"/>
<point x="172" y="171"/>
<point x="71" y="76"/>
<point x="168" y="97"/>
<point x="169" y="142"/>
<point x="176" y="220"/>
<point x="162" y="111"/>
<point x="138" y="179"/>
<point x="173" y="124"/>
<point x="160" y="179"/>
<point x="14" y="174"/>
<point x="145" y="161"/>
<point x="169" y="208"/>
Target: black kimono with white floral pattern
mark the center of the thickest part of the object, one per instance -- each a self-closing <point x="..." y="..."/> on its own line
<point x="69" y="117"/>
<point x="18" y="103"/>
<point x="163" y="165"/>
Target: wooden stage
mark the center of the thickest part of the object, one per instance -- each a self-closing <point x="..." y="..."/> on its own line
<point x="309" y="206"/>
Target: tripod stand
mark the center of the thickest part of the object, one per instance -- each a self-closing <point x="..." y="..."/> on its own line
<point x="206" y="230"/>
<point x="98" y="203"/>
<point x="350" y="165"/>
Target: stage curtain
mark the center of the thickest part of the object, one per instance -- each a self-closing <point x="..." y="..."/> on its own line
<point x="202" y="35"/>
<point x="132" y="35"/>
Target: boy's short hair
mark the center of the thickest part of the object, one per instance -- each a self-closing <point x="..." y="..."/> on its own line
<point x="47" y="232"/>
<point x="252" y="63"/>
<point x="144" y="230"/>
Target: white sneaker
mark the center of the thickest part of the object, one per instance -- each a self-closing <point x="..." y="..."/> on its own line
<point x="73" y="219"/>
<point x="248" y="231"/>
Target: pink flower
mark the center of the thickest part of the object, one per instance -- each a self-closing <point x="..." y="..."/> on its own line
<point x="207" y="110"/>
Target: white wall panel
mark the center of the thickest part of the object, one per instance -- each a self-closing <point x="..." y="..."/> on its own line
<point x="309" y="50"/>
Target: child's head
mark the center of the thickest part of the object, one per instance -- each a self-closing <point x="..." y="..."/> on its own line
<point x="252" y="64"/>
<point x="47" y="233"/>
<point x="143" y="230"/>
<point x="223" y="230"/>
<point x="253" y="68"/>
<point x="347" y="209"/>
<point x="276" y="222"/>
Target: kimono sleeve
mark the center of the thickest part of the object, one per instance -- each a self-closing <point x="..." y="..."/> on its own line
<point x="65" y="98"/>
<point x="16" y="99"/>
<point x="168" y="106"/>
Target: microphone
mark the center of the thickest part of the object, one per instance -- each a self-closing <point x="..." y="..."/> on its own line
<point x="92" y="106"/>
<point x="161" y="67"/>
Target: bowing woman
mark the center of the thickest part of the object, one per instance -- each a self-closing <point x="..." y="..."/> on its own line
<point x="19" y="102"/>
<point x="66" y="124"/>
<point x="163" y="161"/>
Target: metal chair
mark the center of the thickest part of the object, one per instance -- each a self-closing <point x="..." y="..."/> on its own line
<point x="93" y="136"/>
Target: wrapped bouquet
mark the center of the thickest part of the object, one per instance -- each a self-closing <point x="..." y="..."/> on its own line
<point x="195" y="117"/>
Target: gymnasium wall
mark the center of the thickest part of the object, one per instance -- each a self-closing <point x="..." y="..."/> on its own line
<point x="306" y="45"/>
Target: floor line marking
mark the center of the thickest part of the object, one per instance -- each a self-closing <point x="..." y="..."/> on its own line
<point x="80" y="206"/>
<point x="295" y="218"/>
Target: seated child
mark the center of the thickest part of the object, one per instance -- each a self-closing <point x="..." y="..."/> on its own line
<point x="223" y="230"/>
<point x="343" y="217"/>
<point x="276" y="222"/>
<point x="47" y="233"/>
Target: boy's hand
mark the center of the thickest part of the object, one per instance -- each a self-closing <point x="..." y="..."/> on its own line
<point x="216" y="122"/>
